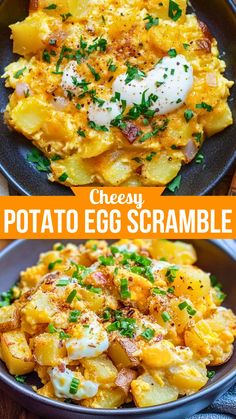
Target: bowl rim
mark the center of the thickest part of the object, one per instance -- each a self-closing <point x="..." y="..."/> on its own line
<point x="228" y="378"/>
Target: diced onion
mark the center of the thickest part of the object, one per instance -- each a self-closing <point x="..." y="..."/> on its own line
<point x="59" y="103"/>
<point x="190" y="151"/>
<point x="22" y="90"/>
<point x="211" y="79"/>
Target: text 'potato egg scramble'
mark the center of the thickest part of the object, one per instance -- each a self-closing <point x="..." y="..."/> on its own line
<point x="107" y="325"/>
<point x="118" y="92"/>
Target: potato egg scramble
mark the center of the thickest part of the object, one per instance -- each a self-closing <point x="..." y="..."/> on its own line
<point x="106" y="325"/>
<point x="118" y="92"/>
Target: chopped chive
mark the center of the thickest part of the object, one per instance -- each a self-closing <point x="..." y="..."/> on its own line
<point x="52" y="265"/>
<point x="71" y="296"/>
<point x="19" y="73"/>
<point x="148" y="334"/>
<point x="165" y="316"/>
<point x="63" y="177"/>
<point x="62" y="282"/>
<point x="124" y="290"/>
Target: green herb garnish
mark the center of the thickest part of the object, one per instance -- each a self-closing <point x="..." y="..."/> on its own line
<point x="52" y="265"/>
<point x="148" y="334"/>
<point x="175" y="12"/>
<point x="151" y="21"/>
<point x="74" y="385"/>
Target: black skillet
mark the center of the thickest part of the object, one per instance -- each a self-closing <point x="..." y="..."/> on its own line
<point x="197" y="179"/>
<point x="216" y="257"/>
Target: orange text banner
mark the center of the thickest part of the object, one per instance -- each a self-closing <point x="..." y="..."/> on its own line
<point x="117" y="212"/>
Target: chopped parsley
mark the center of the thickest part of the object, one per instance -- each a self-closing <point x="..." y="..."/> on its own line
<point x="94" y="73"/>
<point x="71" y="296"/>
<point x="46" y="56"/>
<point x="19" y="73"/>
<point x="52" y="265"/>
<point x="148" y="334"/>
<point x="150" y="156"/>
<point x="97" y="127"/>
<point x="172" y="53"/>
<point x="51" y="7"/>
<point x="174" y="185"/>
<point x="186" y="46"/>
<point x="20" y="378"/>
<point x="165" y="316"/>
<point x="6" y="298"/>
<point x="124" y="289"/>
<point x="151" y="21"/>
<point x="81" y="133"/>
<point x="175" y="12"/>
<point x="204" y="105"/>
<point x="73" y="316"/>
<point x="111" y="66"/>
<point x="197" y="136"/>
<point x="65" y="16"/>
<point x="133" y="73"/>
<point x="99" y="44"/>
<point x="188" y="114"/>
<point x="63" y="177"/>
<point x="211" y="374"/>
<point x="74" y="385"/>
<point x="60" y="247"/>
<point x="55" y="157"/>
<point x="41" y="162"/>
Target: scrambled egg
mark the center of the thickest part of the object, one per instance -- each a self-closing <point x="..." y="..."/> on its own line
<point x="105" y="325"/>
<point x="116" y="93"/>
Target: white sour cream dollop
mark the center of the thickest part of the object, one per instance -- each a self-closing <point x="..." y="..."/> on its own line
<point x="61" y="381"/>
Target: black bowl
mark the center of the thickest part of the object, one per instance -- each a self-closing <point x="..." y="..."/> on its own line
<point x="197" y="179"/>
<point x="214" y="256"/>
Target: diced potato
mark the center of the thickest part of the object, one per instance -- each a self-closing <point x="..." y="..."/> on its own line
<point x="191" y="282"/>
<point x="16" y="352"/>
<point x="78" y="8"/>
<point x="218" y="120"/>
<point x="174" y="252"/>
<point x="115" y="168"/>
<point x="109" y="398"/>
<point x="159" y="355"/>
<point x="94" y="145"/>
<point x="147" y="392"/>
<point x="31" y="276"/>
<point x="100" y="369"/>
<point x="29" y="115"/>
<point x="79" y="171"/>
<point x="9" y="318"/>
<point x="122" y="352"/>
<point x="48" y="349"/>
<point x="189" y="377"/>
<point x="93" y="301"/>
<point x="125" y="378"/>
<point x="161" y="169"/>
<point x="29" y="34"/>
<point x="12" y="69"/>
<point x="39" y="309"/>
<point x="161" y="9"/>
<point x="213" y="337"/>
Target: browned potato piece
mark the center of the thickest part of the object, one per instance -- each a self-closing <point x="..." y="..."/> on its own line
<point x="125" y="378"/>
<point x="106" y="398"/>
<point x="122" y="352"/>
<point x="9" y="318"/>
<point x="16" y="353"/>
<point x="47" y="349"/>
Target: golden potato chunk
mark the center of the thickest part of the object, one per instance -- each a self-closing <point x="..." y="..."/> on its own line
<point x="174" y="252"/>
<point x="147" y="392"/>
<point x="16" y="352"/>
<point x="122" y="352"/>
<point x="48" y="349"/>
<point x="9" y="318"/>
<point x="28" y="35"/>
<point x="100" y="369"/>
<point x="106" y="398"/>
